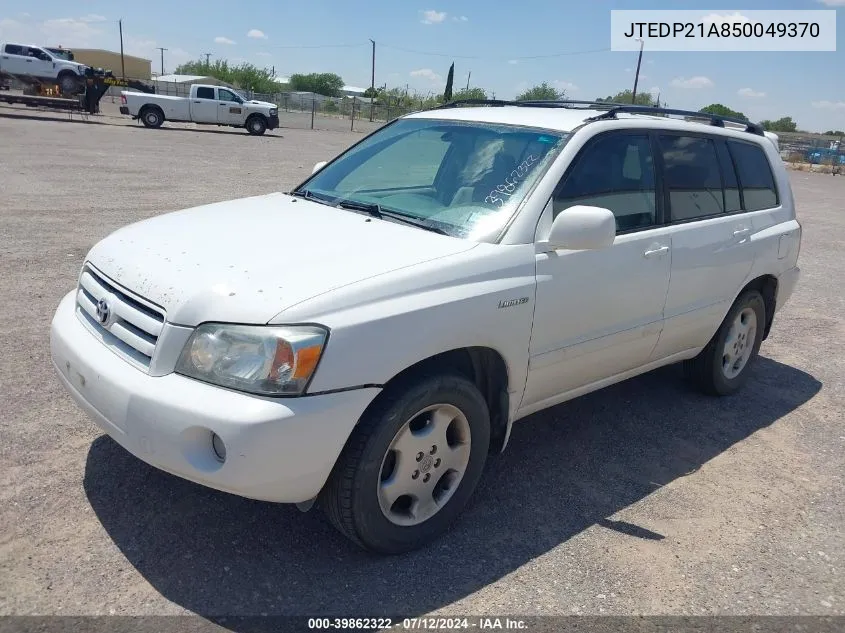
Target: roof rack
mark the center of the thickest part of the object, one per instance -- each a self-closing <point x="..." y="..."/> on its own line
<point x="612" y="109"/>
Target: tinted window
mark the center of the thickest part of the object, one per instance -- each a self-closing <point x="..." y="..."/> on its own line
<point x="205" y="93"/>
<point x="14" y="49"/>
<point x="616" y="171"/>
<point x="755" y="176"/>
<point x="733" y="201"/>
<point x="692" y="175"/>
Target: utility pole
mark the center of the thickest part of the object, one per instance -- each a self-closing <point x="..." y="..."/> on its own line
<point x="469" y="74"/>
<point x="207" y="55"/>
<point x="122" y="63"/>
<point x="373" y="81"/>
<point x="162" y="57"/>
<point x="637" y="76"/>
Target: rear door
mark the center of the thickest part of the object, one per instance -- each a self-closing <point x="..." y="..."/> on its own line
<point x="13" y="59"/>
<point x="204" y="105"/>
<point x="230" y="108"/>
<point x="712" y="254"/>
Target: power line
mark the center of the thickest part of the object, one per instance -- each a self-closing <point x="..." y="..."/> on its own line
<point x="319" y="46"/>
<point x="545" y="56"/>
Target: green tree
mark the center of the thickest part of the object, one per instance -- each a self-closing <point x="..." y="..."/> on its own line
<point x="784" y="124"/>
<point x="471" y="93"/>
<point x="542" y="92"/>
<point x="721" y="110"/>
<point x="626" y="96"/>
<point x="244" y="76"/>
<point x="834" y="133"/>
<point x="327" y="84"/>
<point x="370" y="93"/>
<point x="450" y="80"/>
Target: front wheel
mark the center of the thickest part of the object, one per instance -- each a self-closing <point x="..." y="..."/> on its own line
<point x="69" y="83"/>
<point x="411" y="464"/>
<point x="256" y="125"/>
<point x="724" y="365"/>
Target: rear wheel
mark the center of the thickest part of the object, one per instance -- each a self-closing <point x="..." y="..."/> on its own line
<point x="151" y="117"/>
<point x="724" y="365"/>
<point x="256" y="125"/>
<point x="410" y="465"/>
<point x="69" y="83"/>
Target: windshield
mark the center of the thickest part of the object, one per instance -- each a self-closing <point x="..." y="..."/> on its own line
<point x="62" y="53"/>
<point x="464" y="179"/>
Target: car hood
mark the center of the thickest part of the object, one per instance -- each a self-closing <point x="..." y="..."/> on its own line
<point x="265" y="104"/>
<point x="244" y="261"/>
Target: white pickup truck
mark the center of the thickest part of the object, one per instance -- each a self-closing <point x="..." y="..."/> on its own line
<point x="212" y="105"/>
<point x="41" y="64"/>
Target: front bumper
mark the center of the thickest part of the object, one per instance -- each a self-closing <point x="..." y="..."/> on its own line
<point x="280" y="449"/>
<point x="124" y="109"/>
<point x="274" y="122"/>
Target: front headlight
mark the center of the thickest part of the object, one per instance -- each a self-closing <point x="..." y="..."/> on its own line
<point x="273" y="111"/>
<point x="264" y="360"/>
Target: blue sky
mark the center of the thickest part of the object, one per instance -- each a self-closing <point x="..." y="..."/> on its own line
<point x="417" y="40"/>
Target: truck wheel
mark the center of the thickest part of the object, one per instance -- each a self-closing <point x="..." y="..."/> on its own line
<point x="256" y="125"/>
<point x="410" y="465"/>
<point x="69" y="83"/>
<point x="151" y="117"/>
<point x="724" y="365"/>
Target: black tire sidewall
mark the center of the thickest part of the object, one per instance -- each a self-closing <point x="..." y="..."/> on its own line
<point x="147" y="113"/>
<point x="372" y="527"/>
<point x="751" y="299"/>
<point x="259" y="130"/>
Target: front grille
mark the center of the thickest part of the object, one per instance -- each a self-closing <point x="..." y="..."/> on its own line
<point x="134" y="325"/>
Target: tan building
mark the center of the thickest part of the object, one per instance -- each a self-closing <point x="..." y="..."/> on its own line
<point x="136" y="67"/>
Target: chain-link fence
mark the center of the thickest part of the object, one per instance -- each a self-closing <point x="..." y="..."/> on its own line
<point x="813" y="149"/>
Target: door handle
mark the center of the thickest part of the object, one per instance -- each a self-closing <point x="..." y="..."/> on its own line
<point x="197" y="101"/>
<point x="658" y="250"/>
<point x="742" y="231"/>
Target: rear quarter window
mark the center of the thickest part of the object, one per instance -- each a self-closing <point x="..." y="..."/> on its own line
<point x="755" y="176"/>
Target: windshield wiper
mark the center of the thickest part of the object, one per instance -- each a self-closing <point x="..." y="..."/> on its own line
<point x="407" y="219"/>
<point x="370" y="208"/>
<point x="310" y="195"/>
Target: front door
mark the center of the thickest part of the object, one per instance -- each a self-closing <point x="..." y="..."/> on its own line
<point x="599" y="313"/>
<point x="230" y="108"/>
<point x="204" y="105"/>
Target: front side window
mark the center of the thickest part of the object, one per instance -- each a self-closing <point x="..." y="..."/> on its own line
<point x="755" y="176"/>
<point x="463" y="178"/>
<point x="226" y="95"/>
<point x="616" y="172"/>
<point x="693" y="177"/>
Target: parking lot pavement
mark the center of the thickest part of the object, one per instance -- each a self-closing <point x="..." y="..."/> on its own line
<point x="643" y="498"/>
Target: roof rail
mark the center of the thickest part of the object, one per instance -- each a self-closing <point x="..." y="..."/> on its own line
<point x="714" y="119"/>
<point x="539" y="103"/>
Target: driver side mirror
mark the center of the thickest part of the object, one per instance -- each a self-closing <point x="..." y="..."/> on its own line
<point x="318" y="166"/>
<point x="583" y="228"/>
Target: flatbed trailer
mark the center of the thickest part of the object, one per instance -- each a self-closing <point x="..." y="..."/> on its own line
<point x="96" y="86"/>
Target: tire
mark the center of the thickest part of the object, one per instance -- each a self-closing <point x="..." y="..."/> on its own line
<point x="151" y="117"/>
<point x="69" y="83"/>
<point x="725" y="364"/>
<point x="357" y="496"/>
<point x="256" y="125"/>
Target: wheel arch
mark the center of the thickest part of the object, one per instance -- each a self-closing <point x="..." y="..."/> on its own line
<point x="766" y="285"/>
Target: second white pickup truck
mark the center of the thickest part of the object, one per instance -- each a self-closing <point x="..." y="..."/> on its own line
<point x="212" y="105"/>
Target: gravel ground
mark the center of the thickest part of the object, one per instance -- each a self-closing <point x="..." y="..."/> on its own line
<point x="645" y="498"/>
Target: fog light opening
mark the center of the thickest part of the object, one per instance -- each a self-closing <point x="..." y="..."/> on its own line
<point x="218" y="447"/>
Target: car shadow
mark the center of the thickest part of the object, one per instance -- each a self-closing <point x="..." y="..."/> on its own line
<point x="565" y="470"/>
<point x="213" y="130"/>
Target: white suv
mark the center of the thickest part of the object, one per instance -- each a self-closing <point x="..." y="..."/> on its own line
<point x="366" y="340"/>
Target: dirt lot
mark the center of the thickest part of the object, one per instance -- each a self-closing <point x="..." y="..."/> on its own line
<point x="644" y="498"/>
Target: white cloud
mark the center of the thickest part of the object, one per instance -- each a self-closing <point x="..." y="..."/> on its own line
<point x="93" y="17"/>
<point x="433" y="17"/>
<point x="833" y="3"/>
<point x="460" y="18"/>
<point x="568" y="86"/>
<point x="692" y="82"/>
<point x="731" y="18"/>
<point x="655" y="90"/>
<point x="256" y="34"/>
<point x="829" y="105"/>
<point x="263" y="54"/>
<point x="750" y="93"/>
<point x="223" y="40"/>
<point x="426" y="73"/>
<point x="513" y="61"/>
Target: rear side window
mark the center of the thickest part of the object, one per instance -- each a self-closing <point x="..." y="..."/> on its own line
<point x="733" y="200"/>
<point x="205" y="93"/>
<point x="692" y="176"/>
<point x="13" y="49"/>
<point x="755" y="176"/>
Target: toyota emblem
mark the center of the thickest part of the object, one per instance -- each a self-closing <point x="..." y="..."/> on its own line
<point x="103" y="311"/>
